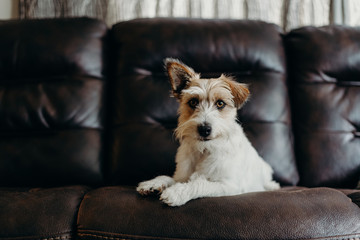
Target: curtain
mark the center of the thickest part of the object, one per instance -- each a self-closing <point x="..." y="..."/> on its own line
<point x="288" y="14"/>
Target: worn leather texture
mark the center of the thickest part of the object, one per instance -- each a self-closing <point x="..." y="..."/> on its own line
<point x="287" y="214"/>
<point x="145" y="115"/>
<point x="51" y="102"/>
<point x="325" y="93"/>
<point x="36" y="213"/>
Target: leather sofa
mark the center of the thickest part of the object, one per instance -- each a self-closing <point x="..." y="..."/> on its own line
<point x="85" y="114"/>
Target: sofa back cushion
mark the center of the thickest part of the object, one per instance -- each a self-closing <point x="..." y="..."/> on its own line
<point x="145" y="115"/>
<point x="51" y="101"/>
<point x="324" y="67"/>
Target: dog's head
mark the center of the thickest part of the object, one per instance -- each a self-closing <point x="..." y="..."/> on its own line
<point x="207" y="106"/>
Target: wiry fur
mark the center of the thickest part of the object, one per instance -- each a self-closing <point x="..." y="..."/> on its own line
<point x="223" y="163"/>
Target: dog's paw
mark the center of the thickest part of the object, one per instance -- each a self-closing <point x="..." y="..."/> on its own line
<point x="175" y="195"/>
<point x="271" y="186"/>
<point x="157" y="184"/>
<point x="145" y="188"/>
<point x="150" y="187"/>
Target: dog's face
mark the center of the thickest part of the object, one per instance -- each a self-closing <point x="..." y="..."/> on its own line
<point x="207" y="106"/>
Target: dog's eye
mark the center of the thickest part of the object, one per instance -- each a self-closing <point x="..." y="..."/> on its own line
<point x="220" y="104"/>
<point x="193" y="102"/>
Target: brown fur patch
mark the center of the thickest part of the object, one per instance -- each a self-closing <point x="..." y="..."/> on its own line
<point x="240" y="91"/>
<point x="179" y="75"/>
<point x="186" y="112"/>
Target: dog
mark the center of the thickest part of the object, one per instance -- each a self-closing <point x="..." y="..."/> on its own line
<point x="214" y="158"/>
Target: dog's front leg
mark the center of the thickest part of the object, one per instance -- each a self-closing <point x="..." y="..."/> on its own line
<point x="182" y="174"/>
<point x="157" y="184"/>
<point x="198" y="187"/>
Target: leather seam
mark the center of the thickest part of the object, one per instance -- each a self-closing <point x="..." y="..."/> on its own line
<point x="103" y="237"/>
<point x="123" y="236"/>
<point x="57" y="238"/>
<point x="348" y="237"/>
<point x="354" y="236"/>
<point x="39" y="238"/>
<point x="65" y="79"/>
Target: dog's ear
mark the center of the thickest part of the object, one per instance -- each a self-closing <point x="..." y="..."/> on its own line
<point x="240" y="91"/>
<point x="179" y="75"/>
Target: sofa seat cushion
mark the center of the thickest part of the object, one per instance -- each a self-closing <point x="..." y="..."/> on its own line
<point x="39" y="213"/>
<point x="290" y="213"/>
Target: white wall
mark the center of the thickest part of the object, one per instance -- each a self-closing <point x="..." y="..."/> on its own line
<point x="8" y="9"/>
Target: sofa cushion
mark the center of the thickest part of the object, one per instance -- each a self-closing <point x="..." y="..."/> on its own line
<point x="145" y="115"/>
<point x="294" y="213"/>
<point x="51" y="101"/>
<point x="355" y="197"/>
<point x="324" y="68"/>
<point x="39" y="213"/>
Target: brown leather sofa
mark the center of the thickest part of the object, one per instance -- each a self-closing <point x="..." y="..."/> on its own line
<point x="85" y="114"/>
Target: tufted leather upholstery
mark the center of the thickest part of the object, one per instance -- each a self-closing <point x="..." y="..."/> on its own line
<point x="84" y="107"/>
<point x="51" y="102"/>
<point x="324" y="77"/>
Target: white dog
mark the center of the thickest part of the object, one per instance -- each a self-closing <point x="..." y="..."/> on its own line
<point x="214" y="158"/>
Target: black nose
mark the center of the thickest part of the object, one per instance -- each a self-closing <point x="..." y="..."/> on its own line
<point x="204" y="130"/>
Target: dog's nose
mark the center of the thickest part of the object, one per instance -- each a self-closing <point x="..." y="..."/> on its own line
<point x="204" y="130"/>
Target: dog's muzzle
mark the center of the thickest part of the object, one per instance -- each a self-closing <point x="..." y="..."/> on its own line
<point x="204" y="131"/>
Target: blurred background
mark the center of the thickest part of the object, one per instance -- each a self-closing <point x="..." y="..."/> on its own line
<point x="288" y="14"/>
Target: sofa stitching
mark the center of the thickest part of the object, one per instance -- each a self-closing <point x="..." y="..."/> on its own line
<point x="104" y="237"/>
<point x="121" y="238"/>
<point x="344" y="237"/>
<point x="56" y="238"/>
<point x="39" y="238"/>
<point x="126" y="238"/>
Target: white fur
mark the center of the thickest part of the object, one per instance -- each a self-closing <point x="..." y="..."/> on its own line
<point x="224" y="165"/>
